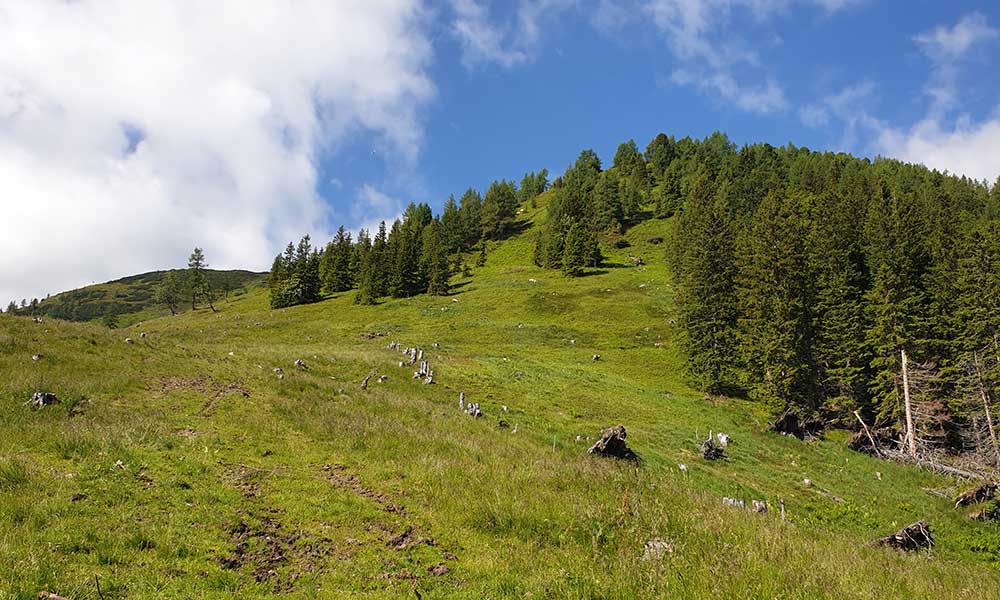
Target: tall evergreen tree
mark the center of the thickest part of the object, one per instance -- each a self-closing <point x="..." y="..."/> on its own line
<point x="776" y="336"/>
<point x="575" y="254"/>
<point x="451" y="224"/>
<point x="197" y="282"/>
<point x="498" y="209"/>
<point x="705" y="268"/>
<point x="435" y="256"/>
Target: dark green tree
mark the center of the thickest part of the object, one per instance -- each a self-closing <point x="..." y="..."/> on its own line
<point x="575" y="254"/>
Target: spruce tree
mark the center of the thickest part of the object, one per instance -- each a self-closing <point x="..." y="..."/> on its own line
<point x="894" y="237"/>
<point x="197" y="282"/>
<point x="470" y="216"/>
<point x="703" y="259"/>
<point x="840" y="317"/>
<point x="451" y="225"/>
<point x="776" y="336"/>
<point x="575" y="254"/>
<point x="436" y="260"/>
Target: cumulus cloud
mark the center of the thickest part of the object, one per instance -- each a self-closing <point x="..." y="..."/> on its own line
<point x="971" y="149"/>
<point x="132" y="130"/>
<point x="940" y="140"/>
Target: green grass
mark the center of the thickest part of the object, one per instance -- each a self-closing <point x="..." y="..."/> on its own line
<point x="166" y="481"/>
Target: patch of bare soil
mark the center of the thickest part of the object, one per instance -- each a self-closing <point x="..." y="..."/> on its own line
<point x="274" y="553"/>
<point x="340" y="477"/>
<point x="235" y="387"/>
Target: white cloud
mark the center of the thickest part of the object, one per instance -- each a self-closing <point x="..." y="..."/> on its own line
<point x="486" y="40"/>
<point x="374" y="206"/>
<point x="943" y="44"/>
<point x="131" y="130"/>
<point x="710" y="50"/>
<point x="763" y="99"/>
<point x="971" y="149"/>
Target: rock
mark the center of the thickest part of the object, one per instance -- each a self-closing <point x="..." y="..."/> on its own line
<point x="984" y="492"/>
<point x="596" y="357"/>
<point x="758" y="506"/>
<point x="655" y="240"/>
<point x="129" y="341"/>
<point x="381" y="378"/>
<point x="441" y="569"/>
<point x="301" y="364"/>
<point x="41" y="399"/>
<point x="987" y="514"/>
<point x="612" y="444"/>
<point x="807" y="482"/>
<point x="656" y="548"/>
<point x="912" y="537"/>
<point x="637" y="261"/>
<point x="36" y="357"/>
<point x="683" y="468"/>
<point x="278" y="370"/>
<point x="142" y="335"/>
<point x="723" y="439"/>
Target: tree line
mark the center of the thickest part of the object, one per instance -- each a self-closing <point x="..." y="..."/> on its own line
<point x="417" y="254"/>
<point x="801" y="276"/>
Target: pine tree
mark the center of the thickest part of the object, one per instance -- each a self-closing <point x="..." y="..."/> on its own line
<point x="703" y="259"/>
<point x="169" y="291"/>
<point x="894" y="235"/>
<point x="481" y="259"/>
<point x="197" y="282"/>
<point x="436" y="260"/>
<point x="575" y="254"/>
<point x="837" y="263"/>
<point x="470" y="216"/>
<point x="498" y="209"/>
<point x="451" y="224"/>
<point x="605" y="205"/>
<point x="11" y="308"/>
<point x="776" y="335"/>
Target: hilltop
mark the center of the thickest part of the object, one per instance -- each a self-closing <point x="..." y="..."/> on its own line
<point x="200" y="461"/>
<point x="133" y="298"/>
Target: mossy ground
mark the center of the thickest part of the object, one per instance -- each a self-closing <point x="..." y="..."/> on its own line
<point x="187" y="471"/>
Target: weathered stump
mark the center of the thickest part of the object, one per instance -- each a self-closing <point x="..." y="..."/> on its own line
<point x="612" y="444"/>
<point x="912" y="537"/>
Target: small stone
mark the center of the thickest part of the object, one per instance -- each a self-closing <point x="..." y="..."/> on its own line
<point x="807" y="482"/>
<point x="129" y="341"/>
<point x="656" y="548"/>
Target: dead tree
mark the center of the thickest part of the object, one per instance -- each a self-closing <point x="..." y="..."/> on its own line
<point x="910" y="435"/>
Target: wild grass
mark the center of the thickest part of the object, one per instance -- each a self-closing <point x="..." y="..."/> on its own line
<point x="169" y="476"/>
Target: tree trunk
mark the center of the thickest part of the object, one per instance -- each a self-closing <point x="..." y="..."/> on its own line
<point x="909" y="413"/>
<point x="986" y="409"/>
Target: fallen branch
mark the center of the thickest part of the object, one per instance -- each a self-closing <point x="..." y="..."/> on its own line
<point x="364" y="382"/>
<point x="869" y="434"/>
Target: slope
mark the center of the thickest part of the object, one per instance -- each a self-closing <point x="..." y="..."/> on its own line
<point x="181" y="465"/>
<point x="133" y="298"/>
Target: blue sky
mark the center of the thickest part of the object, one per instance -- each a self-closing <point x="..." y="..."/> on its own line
<point x="133" y="130"/>
<point x="585" y="84"/>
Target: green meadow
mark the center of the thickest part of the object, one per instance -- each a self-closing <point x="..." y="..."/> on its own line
<point x="182" y="466"/>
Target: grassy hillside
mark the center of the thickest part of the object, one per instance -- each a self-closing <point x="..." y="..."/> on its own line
<point x="132" y="298"/>
<point x="181" y="466"/>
